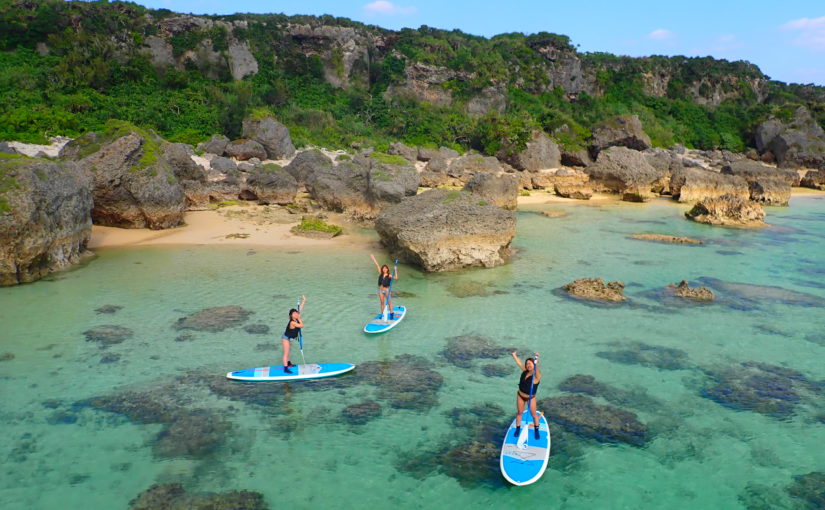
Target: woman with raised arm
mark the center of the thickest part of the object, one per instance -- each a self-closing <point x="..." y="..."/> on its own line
<point x="384" y="280"/>
<point x="292" y="331"/>
<point x="528" y="384"/>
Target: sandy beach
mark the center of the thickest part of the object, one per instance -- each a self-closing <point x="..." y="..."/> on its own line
<point x="248" y="224"/>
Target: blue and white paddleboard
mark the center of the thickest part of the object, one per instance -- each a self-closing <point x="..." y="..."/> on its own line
<point x="524" y="458"/>
<point x="379" y="324"/>
<point x="276" y="373"/>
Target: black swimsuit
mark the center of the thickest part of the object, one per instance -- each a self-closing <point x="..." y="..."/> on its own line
<point x="291" y="333"/>
<point x="525" y="383"/>
<point x="384" y="281"/>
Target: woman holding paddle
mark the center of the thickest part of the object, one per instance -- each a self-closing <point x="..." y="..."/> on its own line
<point x="527" y="386"/>
<point x="292" y="331"/>
<point x="384" y="281"/>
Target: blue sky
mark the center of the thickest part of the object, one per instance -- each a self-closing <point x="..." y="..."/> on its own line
<point x="786" y="39"/>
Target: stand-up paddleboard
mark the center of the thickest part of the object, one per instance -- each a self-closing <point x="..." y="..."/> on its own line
<point x="524" y="458"/>
<point x="276" y="373"/>
<point x="381" y="324"/>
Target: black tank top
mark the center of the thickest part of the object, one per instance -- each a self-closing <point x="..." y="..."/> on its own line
<point x="525" y="383"/>
<point x="384" y="281"/>
<point x="291" y="332"/>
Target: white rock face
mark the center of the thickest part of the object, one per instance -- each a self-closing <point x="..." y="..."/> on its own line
<point x="33" y="150"/>
<point x="241" y="61"/>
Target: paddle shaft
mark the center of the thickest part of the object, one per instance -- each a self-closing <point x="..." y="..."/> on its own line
<point x="389" y="291"/>
<point x="301" y="336"/>
<point x="533" y="382"/>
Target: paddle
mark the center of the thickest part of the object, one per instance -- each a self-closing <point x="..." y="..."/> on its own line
<point x="532" y="385"/>
<point x="301" y="337"/>
<point x="389" y="291"/>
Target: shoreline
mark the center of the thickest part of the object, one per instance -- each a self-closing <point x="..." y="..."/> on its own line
<point x="248" y="225"/>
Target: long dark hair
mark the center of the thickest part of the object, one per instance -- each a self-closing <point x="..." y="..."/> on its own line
<point x="385" y="267"/>
<point x="529" y="359"/>
<point x="291" y="310"/>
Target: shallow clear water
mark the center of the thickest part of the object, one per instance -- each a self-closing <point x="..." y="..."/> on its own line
<point x="296" y="449"/>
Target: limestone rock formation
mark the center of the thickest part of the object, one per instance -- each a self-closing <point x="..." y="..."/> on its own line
<point x="500" y="190"/>
<point x="406" y="152"/>
<point x="541" y="153"/>
<point x="441" y="230"/>
<point x="595" y="289"/>
<point x="692" y="184"/>
<point x="814" y="179"/>
<point x="340" y="188"/>
<point x="575" y="191"/>
<point x="244" y="149"/>
<point x="768" y="185"/>
<point x="45" y="220"/>
<point x="270" y="133"/>
<point x="216" y="145"/>
<point x="624" y="131"/>
<point x="795" y="144"/>
<point x="624" y="171"/>
<point x="727" y="210"/>
<point x="684" y="290"/>
<point x="271" y="184"/>
<point x="464" y="167"/>
<point x="390" y="180"/>
<point x="306" y="164"/>
<point x="134" y="184"/>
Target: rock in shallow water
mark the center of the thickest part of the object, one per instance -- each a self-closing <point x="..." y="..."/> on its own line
<point x="809" y="489"/>
<point x="581" y="416"/>
<point x="683" y="290"/>
<point x="462" y="350"/>
<point x="172" y="496"/>
<point x="596" y="289"/>
<point x="361" y="413"/>
<point x="442" y="230"/>
<point x="727" y="210"/>
<point x="654" y="356"/>
<point x="663" y="238"/>
<point x="214" y="319"/>
<point x="108" y="335"/>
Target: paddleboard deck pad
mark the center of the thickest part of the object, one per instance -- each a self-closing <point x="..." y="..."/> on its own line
<point x="524" y="458"/>
<point x="379" y="325"/>
<point x="276" y="373"/>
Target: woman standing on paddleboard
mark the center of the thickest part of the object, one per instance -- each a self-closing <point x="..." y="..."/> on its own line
<point x="384" y="280"/>
<point x="527" y="385"/>
<point x="292" y="331"/>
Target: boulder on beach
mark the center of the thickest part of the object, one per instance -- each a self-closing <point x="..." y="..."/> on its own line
<point x="215" y="145"/>
<point x="623" y="131"/>
<point x="814" y="179"/>
<point x="596" y="289"/>
<point x="574" y="191"/>
<point x="539" y="153"/>
<point x="464" y="167"/>
<point x="727" y="210"/>
<point x="272" y="135"/>
<point x="134" y="185"/>
<point x="405" y="151"/>
<point x="391" y="178"/>
<point x="441" y="230"/>
<point x="692" y="184"/>
<point x="306" y="164"/>
<point x="798" y="143"/>
<point x="243" y="149"/>
<point x="45" y="220"/>
<point x="500" y="190"/>
<point x="340" y="188"/>
<point x="626" y="172"/>
<point x="768" y="185"/>
<point x="271" y="184"/>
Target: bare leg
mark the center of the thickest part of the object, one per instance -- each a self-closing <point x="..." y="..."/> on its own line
<point x="533" y="412"/>
<point x="519" y="409"/>
<point x="381" y="300"/>
<point x="389" y="302"/>
<point x="285" y="344"/>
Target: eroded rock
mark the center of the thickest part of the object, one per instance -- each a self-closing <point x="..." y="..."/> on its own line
<point x="727" y="210"/>
<point x="583" y="417"/>
<point x="595" y="289"/>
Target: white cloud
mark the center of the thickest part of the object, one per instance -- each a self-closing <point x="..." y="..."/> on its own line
<point x="382" y="7"/>
<point x="811" y="32"/>
<point x="661" y="35"/>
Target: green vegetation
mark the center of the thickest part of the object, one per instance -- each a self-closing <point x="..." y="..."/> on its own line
<point x="314" y="224"/>
<point x="271" y="167"/>
<point x="388" y="159"/>
<point x="7" y="182"/>
<point x="95" y="69"/>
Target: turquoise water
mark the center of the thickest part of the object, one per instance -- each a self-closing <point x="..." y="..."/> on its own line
<point x="292" y="444"/>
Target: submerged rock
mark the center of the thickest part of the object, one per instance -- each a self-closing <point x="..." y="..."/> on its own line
<point x="759" y="387"/>
<point x="256" y="329"/>
<point x="663" y="238"/>
<point x="492" y="370"/>
<point x="172" y="496"/>
<point x="108" y="335"/>
<point x="214" y="319"/>
<point x="462" y="350"/>
<point x="468" y="288"/>
<point x="442" y="230"/>
<point x="108" y="309"/>
<point x="473" y="463"/>
<point x="588" y="385"/>
<point x="361" y="413"/>
<point x="581" y="416"/>
<point x="192" y="435"/>
<point x="750" y="295"/>
<point x="406" y="382"/>
<point x="727" y="210"/>
<point x="809" y="489"/>
<point x="683" y="290"/>
<point x="653" y="356"/>
<point x="595" y="289"/>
